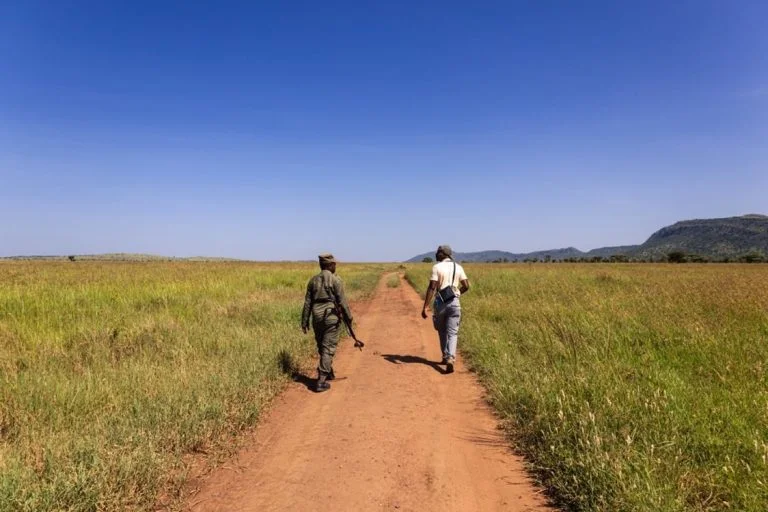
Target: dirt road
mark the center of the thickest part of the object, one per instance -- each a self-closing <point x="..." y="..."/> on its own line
<point x="396" y="434"/>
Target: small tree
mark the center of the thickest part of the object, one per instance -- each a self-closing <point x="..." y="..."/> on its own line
<point x="676" y="257"/>
<point x="71" y="258"/>
<point x="752" y="257"/>
<point x="426" y="259"/>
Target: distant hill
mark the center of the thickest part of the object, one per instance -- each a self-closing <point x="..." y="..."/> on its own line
<point x="607" y="252"/>
<point x="714" y="239"/>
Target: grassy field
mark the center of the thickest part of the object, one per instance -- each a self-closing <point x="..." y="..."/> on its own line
<point x="628" y="387"/>
<point x="110" y="373"/>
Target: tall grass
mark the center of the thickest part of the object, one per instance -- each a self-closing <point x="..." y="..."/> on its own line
<point x="111" y="372"/>
<point x="628" y="387"/>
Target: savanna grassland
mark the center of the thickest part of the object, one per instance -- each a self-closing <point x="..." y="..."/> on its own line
<point x="111" y="373"/>
<point x="628" y="387"/>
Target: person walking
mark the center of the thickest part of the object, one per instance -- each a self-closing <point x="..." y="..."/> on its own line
<point x="325" y="296"/>
<point x="447" y="282"/>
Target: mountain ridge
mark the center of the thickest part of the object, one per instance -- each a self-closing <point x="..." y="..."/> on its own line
<point x="719" y="239"/>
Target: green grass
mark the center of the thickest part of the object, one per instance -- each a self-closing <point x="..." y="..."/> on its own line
<point x="393" y="281"/>
<point x="110" y="373"/>
<point x="628" y="387"/>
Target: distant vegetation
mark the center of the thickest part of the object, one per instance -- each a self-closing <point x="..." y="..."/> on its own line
<point x="110" y="373"/>
<point x="734" y="239"/>
<point x="117" y="256"/>
<point x="628" y="387"/>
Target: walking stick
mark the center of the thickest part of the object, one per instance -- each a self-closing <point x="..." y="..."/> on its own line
<point x="358" y="344"/>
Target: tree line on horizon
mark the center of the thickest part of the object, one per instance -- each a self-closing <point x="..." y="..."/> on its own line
<point x="670" y="257"/>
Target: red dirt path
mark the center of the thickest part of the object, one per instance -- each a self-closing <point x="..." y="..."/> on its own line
<point x="396" y="434"/>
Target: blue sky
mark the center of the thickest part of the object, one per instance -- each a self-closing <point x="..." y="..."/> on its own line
<point x="279" y="130"/>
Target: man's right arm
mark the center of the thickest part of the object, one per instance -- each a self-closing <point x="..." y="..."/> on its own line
<point x="431" y="289"/>
<point x="428" y="298"/>
<point x="307" y="311"/>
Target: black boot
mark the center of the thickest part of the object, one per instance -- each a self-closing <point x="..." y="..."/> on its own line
<point x="331" y="376"/>
<point x="322" y="385"/>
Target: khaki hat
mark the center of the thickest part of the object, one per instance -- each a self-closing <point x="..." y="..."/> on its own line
<point x="326" y="258"/>
<point x="445" y="249"/>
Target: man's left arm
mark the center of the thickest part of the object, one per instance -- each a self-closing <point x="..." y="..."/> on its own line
<point x="463" y="282"/>
<point x="342" y="298"/>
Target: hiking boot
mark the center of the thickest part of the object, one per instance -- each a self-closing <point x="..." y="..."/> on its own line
<point x="331" y="376"/>
<point x="449" y="364"/>
<point x="322" y="384"/>
<point x="444" y="360"/>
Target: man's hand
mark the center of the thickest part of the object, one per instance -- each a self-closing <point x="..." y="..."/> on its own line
<point x="305" y="328"/>
<point x="424" y="313"/>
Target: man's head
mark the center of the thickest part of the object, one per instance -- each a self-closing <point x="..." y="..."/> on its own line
<point x="444" y="251"/>
<point x="327" y="262"/>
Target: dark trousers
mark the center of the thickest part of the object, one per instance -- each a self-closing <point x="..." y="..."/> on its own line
<point x="327" y="338"/>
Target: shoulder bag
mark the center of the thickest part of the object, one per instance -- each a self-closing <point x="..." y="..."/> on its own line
<point x="448" y="293"/>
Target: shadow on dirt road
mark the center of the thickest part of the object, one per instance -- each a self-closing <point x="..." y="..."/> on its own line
<point x="400" y="359"/>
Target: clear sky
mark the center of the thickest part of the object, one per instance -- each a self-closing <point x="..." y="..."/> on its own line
<point x="277" y="130"/>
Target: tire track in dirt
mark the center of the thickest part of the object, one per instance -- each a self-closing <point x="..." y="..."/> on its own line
<point x="397" y="434"/>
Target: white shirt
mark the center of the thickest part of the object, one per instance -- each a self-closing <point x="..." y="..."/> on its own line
<point x="442" y="272"/>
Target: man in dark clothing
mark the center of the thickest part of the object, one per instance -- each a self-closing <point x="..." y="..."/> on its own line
<point x="324" y="292"/>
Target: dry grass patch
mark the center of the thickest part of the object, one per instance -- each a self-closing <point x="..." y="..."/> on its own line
<point x="628" y="387"/>
<point x="111" y="372"/>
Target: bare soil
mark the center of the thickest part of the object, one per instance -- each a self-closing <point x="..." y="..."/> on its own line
<point x="396" y="433"/>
